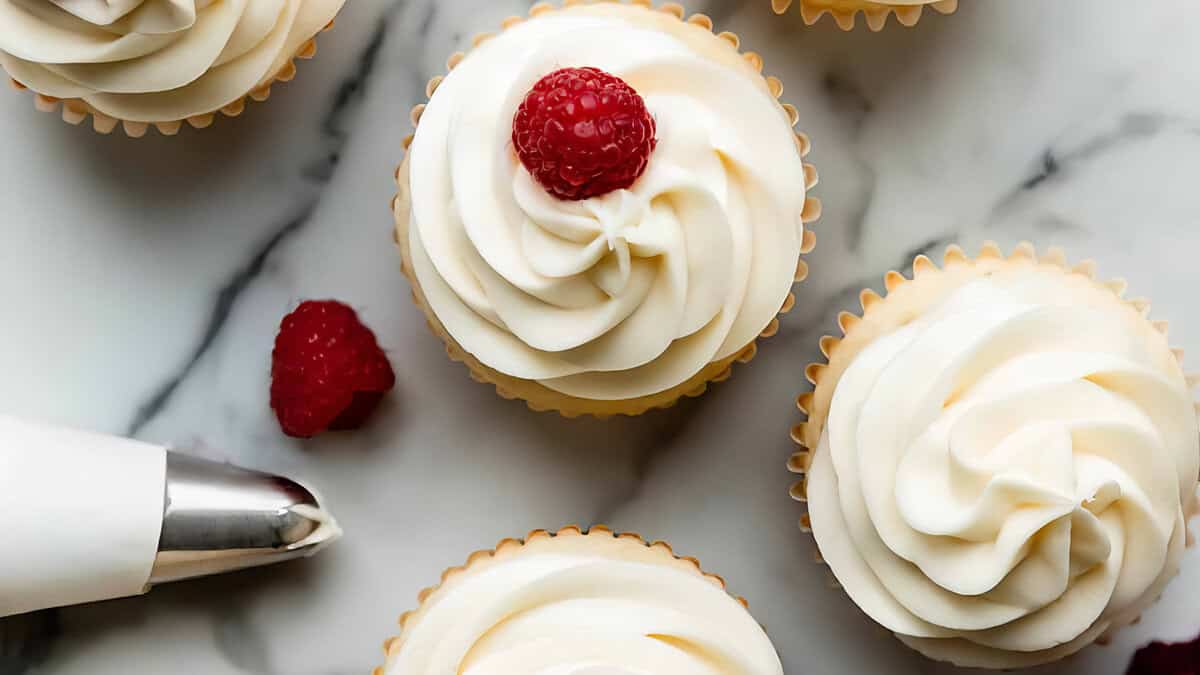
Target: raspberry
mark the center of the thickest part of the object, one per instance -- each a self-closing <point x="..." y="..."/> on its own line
<point x="1160" y="658"/>
<point x="327" y="370"/>
<point x="582" y="133"/>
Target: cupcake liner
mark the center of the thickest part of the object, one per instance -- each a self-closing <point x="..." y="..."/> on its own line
<point x="536" y="396"/>
<point x="658" y="552"/>
<point x="858" y="331"/>
<point x="75" y="111"/>
<point x="844" y="12"/>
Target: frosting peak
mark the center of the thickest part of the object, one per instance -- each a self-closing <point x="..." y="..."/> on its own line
<point x="151" y="17"/>
<point x="155" y="60"/>
<point x="633" y="292"/>
<point x="1006" y="477"/>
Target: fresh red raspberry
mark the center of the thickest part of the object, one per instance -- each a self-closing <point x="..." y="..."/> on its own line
<point x="1159" y="658"/>
<point x="327" y="370"/>
<point x="582" y="133"/>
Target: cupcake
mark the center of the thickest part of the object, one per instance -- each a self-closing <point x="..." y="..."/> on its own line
<point x="1004" y="455"/>
<point x="908" y="12"/>
<point x="576" y="602"/>
<point x="155" y="62"/>
<point x="603" y="207"/>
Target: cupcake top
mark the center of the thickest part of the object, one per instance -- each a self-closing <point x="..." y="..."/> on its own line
<point x="1007" y="464"/>
<point x="581" y="604"/>
<point x="155" y="60"/>
<point x="623" y="294"/>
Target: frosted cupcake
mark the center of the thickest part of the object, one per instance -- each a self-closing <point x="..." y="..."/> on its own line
<point x="1004" y="458"/>
<point x="603" y="207"/>
<point x="579" y="603"/>
<point x="155" y="62"/>
<point x="876" y="12"/>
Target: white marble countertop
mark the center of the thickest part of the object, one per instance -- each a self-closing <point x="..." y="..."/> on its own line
<point x="146" y="279"/>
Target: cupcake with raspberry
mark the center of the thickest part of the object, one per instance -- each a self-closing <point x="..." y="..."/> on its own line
<point x="160" y="63"/>
<point x="575" y="602"/>
<point x="875" y="12"/>
<point x="1000" y="458"/>
<point x="603" y="207"/>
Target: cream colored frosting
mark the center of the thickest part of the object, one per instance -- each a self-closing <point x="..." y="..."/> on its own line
<point x="155" y="60"/>
<point x="1006" y="477"/>
<point x="568" y="610"/>
<point x="633" y="292"/>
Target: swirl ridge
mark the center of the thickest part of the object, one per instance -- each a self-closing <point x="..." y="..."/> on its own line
<point x="1006" y="475"/>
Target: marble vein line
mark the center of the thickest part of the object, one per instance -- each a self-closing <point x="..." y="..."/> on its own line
<point x="932" y="248"/>
<point x="227" y="297"/>
<point x="350" y="92"/>
<point x="426" y="22"/>
<point x="1048" y="169"/>
<point x="853" y="107"/>
<point x="354" y="88"/>
<point x="848" y="96"/>
<point x="1052" y="165"/>
<point x="857" y="225"/>
<point x="669" y="426"/>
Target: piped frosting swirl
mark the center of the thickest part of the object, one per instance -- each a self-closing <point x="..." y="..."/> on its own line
<point x="1006" y="476"/>
<point x="155" y="60"/>
<point x="581" y="605"/>
<point x="634" y="292"/>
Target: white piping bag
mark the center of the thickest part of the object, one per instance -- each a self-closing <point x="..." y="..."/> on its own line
<point x="90" y="517"/>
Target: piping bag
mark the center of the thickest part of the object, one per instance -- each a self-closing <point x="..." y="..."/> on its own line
<point x="89" y="517"/>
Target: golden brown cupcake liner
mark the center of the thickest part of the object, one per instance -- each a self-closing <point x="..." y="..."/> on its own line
<point x="538" y="397"/>
<point x="876" y="14"/>
<point x="507" y="548"/>
<point x="75" y="111"/>
<point x="856" y="335"/>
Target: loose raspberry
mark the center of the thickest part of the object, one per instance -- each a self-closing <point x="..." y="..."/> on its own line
<point x="1159" y="658"/>
<point x="582" y="133"/>
<point x="327" y="370"/>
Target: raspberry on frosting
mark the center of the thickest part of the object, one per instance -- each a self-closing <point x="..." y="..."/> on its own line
<point x="582" y="133"/>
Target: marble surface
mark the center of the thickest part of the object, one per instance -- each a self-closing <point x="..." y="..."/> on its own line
<point x="146" y="279"/>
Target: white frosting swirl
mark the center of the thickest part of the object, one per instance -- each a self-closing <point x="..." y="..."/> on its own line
<point x="633" y="292"/>
<point x="1005" y="478"/>
<point x="155" y="60"/>
<point x="565" y="611"/>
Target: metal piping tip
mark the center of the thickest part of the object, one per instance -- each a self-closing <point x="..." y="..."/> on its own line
<point x="220" y="518"/>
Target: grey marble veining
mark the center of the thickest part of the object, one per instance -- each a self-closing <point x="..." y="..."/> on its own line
<point x="147" y="279"/>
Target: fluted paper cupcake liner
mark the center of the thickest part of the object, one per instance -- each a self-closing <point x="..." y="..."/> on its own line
<point x="508" y="548"/>
<point x="844" y="12"/>
<point x="75" y="111"/>
<point x="536" y="396"/>
<point x="857" y="334"/>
